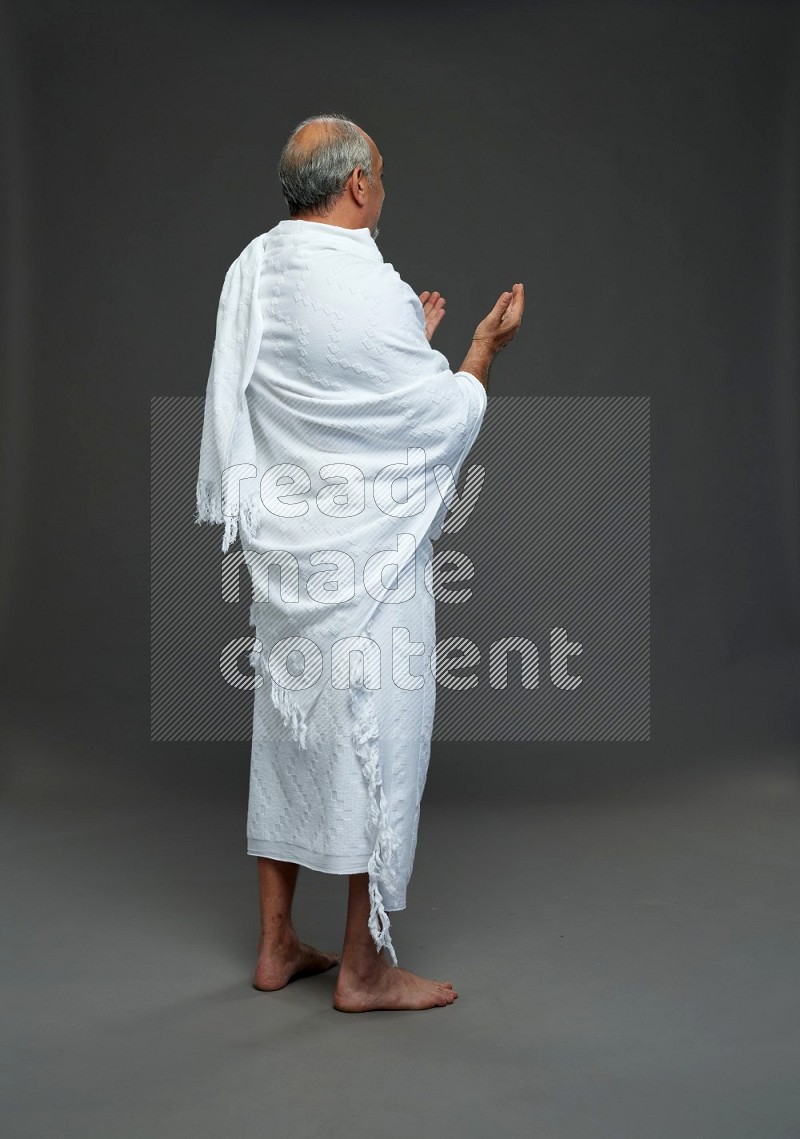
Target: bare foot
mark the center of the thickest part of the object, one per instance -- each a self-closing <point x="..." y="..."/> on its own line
<point x="387" y="987"/>
<point x="278" y="964"/>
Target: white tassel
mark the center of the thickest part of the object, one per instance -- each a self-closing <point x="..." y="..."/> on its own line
<point x="208" y="505"/>
<point x="209" y="510"/>
<point x="384" y="859"/>
<point x="291" y="713"/>
<point x="250" y="511"/>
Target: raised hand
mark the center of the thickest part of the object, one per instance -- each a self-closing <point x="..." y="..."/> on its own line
<point x="433" y="307"/>
<point x="502" y="324"/>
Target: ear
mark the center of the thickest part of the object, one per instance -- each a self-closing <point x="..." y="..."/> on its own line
<point x="358" y="184"/>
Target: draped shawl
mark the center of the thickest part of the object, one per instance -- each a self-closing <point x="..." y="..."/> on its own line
<point x="333" y="436"/>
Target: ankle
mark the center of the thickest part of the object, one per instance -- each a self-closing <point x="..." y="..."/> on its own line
<point x="278" y="938"/>
<point x="362" y="964"/>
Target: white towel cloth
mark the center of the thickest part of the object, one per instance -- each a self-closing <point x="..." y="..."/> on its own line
<point x="333" y="439"/>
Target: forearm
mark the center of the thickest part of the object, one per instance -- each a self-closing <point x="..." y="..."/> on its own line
<point x="478" y="361"/>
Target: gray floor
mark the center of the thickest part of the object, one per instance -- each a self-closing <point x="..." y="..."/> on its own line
<point x="623" y="934"/>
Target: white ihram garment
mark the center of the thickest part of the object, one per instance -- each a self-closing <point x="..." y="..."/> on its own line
<point x="347" y="432"/>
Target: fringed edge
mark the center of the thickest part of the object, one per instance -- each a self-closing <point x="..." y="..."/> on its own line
<point x="250" y="512"/>
<point x="291" y="713"/>
<point x="209" y="510"/>
<point x="208" y="504"/>
<point x="384" y="859"/>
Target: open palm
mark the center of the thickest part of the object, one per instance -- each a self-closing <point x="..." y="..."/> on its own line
<point x="433" y="307"/>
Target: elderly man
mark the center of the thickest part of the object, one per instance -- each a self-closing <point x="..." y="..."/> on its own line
<point x="323" y="382"/>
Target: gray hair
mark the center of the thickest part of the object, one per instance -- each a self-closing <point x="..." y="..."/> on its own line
<point x="314" y="176"/>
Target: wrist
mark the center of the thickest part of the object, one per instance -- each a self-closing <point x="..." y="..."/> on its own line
<point x="481" y="346"/>
<point x="478" y="360"/>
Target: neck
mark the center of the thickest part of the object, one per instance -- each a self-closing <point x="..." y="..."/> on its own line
<point x="343" y="221"/>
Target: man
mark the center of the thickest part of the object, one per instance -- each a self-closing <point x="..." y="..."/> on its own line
<point x="330" y="359"/>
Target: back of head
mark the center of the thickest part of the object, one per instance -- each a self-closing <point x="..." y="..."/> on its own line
<point x="318" y="158"/>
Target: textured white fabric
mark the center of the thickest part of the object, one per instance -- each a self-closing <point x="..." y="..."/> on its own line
<point x="345" y="432"/>
<point x="312" y="805"/>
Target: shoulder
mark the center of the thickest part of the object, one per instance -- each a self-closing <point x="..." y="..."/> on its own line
<point x="250" y="256"/>
<point x="399" y="295"/>
<point x="390" y="285"/>
<point x="357" y="278"/>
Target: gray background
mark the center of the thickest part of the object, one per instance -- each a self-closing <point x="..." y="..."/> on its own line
<point x="619" y="919"/>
